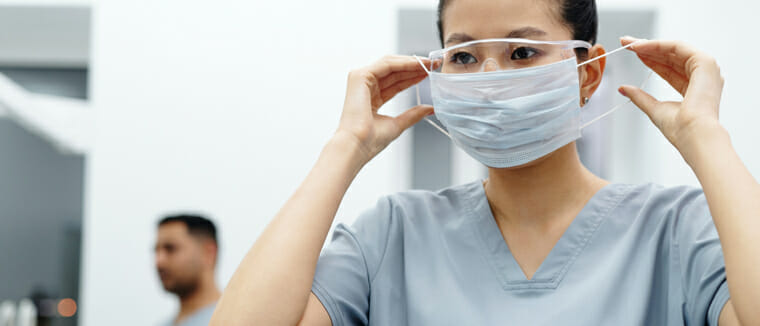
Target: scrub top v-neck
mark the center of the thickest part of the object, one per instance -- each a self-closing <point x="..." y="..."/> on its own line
<point x="634" y="255"/>
<point x="562" y="255"/>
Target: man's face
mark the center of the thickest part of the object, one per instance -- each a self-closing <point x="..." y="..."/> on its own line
<point x="179" y="258"/>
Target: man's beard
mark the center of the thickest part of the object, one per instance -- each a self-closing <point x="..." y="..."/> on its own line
<point x="183" y="289"/>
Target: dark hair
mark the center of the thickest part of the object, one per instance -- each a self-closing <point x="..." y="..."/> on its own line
<point x="196" y="225"/>
<point x="579" y="15"/>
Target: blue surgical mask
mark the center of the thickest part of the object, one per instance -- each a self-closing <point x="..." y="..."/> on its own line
<point x="508" y="118"/>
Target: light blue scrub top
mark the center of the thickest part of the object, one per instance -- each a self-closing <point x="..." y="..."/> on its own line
<point x="199" y="318"/>
<point x="635" y="255"/>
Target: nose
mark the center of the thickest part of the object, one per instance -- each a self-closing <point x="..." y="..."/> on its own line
<point x="490" y="65"/>
<point x="160" y="258"/>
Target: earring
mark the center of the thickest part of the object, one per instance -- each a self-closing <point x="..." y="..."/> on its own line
<point x="585" y="100"/>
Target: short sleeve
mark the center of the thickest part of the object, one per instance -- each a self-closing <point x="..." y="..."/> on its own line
<point x="700" y="257"/>
<point x="348" y="264"/>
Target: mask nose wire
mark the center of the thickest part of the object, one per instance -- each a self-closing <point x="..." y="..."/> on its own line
<point x="419" y="101"/>
<point x="608" y="53"/>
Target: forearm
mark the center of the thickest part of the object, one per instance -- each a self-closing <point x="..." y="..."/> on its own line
<point x="734" y="199"/>
<point x="272" y="284"/>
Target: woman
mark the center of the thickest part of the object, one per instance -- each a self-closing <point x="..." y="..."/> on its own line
<point x="539" y="243"/>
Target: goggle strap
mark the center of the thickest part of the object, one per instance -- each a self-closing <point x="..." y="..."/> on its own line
<point x="422" y="64"/>
<point x="608" y="53"/>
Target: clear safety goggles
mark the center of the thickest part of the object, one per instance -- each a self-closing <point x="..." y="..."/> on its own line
<point x="501" y="54"/>
<point x="512" y="54"/>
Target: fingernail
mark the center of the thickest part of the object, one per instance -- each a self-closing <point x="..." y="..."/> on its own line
<point x="622" y="91"/>
<point x="629" y="38"/>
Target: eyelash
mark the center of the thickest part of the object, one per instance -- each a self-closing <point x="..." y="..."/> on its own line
<point x="533" y="52"/>
<point x="458" y="55"/>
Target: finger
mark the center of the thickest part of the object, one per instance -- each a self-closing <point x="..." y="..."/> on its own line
<point x="642" y="99"/>
<point x="678" y="55"/>
<point x="705" y="83"/>
<point x="396" y="77"/>
<point x="704" y="88"/>
<point x="391" y="64"/>
<point x="412" y="116"/>
<point x="391" y="91"/>
<point x="362" y="91"/>
<point x="664" y="68"/>
<point x="705" y="80"/>
<point x="677" y="80"/>
<point x="364" y="84"/>
<point x="667" y="52"/>
<point x="625" y="40"/>
<point x="681" y="70"/>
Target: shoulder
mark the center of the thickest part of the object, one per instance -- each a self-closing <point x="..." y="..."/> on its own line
<point x="421" y="202"/>
<point x="422" y="207"/>
<point x="416" y="211"/>
<point x="396" y="223"/>
<point x="655" y="197"/>
<point x="656" y="206"/>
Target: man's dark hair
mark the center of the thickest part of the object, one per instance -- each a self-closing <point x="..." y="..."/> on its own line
<point x="196" y="225"/>
<point x="579" y="15"/>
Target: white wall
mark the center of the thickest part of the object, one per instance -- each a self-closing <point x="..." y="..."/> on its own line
<point x="223" y="106"/>
<point x="216" y="106"/>
<point x="722" y="29"/>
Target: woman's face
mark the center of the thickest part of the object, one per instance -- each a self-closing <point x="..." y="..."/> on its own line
<point x="465" y="20"/>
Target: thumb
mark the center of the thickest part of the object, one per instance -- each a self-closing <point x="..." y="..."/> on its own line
<point x="412" y="116"/>
<point x="642" y="99"/>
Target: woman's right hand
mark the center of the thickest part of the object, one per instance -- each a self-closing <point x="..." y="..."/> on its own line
<point x="368" y="89"/>
<point x="272" y="285"/>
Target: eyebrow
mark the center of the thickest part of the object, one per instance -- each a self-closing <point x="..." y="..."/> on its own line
<point x="525" y="32"/>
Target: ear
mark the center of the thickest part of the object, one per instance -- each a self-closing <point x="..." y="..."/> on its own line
<point x="591" y="73"/>
<point x="210" y="252"/>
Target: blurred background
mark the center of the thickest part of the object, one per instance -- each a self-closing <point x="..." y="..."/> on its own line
<point x="113" y="113"/>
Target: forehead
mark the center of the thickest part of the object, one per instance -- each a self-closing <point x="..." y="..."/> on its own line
<point x="482" y="19"/>
<point x="173" y="231"/>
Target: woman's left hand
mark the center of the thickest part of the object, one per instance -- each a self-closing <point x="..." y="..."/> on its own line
<point x="693" y="74"/>
<point x="730" y="189"/>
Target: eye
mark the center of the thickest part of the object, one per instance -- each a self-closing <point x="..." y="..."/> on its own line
<point x="463" y="58"/>
<point x="523" y="53"/>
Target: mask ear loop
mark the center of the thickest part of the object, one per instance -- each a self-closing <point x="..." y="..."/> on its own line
<point x="646" y="80"/>
<point x="419" y="100"/>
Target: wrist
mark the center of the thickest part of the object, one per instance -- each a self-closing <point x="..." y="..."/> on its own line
<point x="347" y="147"/>
<point x="702" y="141"/>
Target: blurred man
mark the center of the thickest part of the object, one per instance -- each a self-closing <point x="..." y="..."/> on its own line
<point x="186" y="254"/>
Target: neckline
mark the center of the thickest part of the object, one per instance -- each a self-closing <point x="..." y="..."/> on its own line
<point x="556" y="264"/>
<point x="196" y="313"/>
